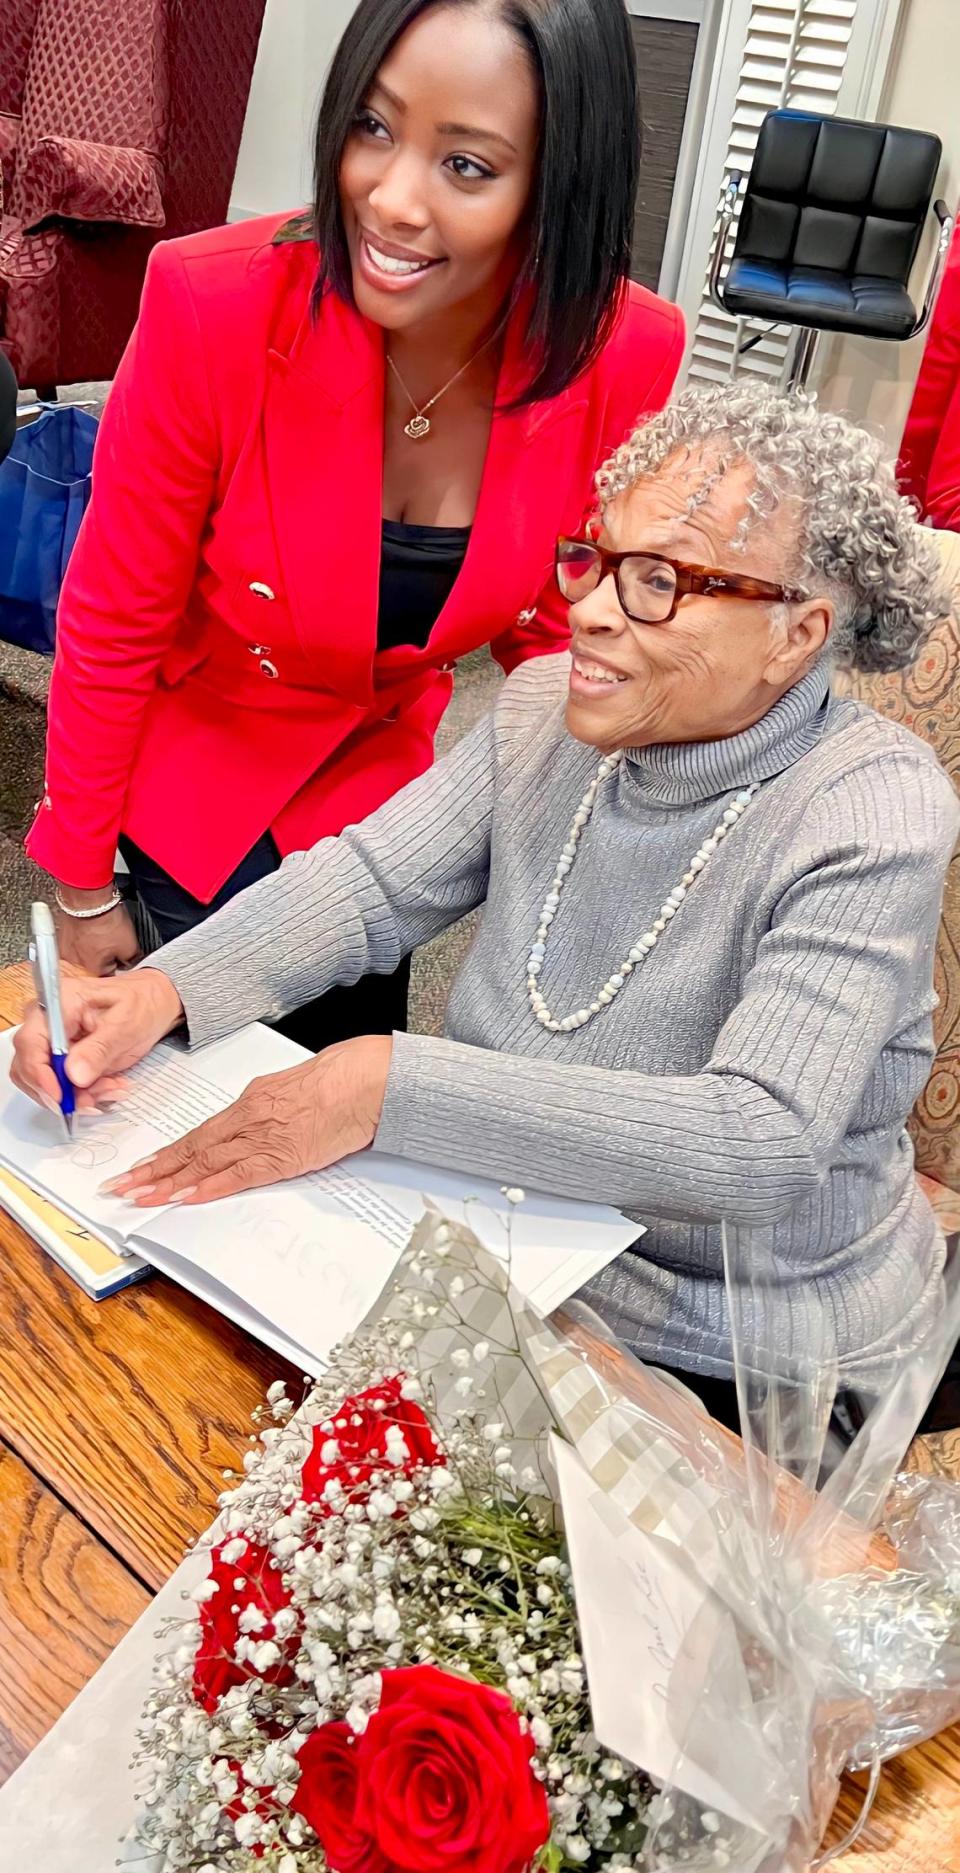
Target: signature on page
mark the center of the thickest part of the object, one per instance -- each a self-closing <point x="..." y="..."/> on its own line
<point x="100" y="1144"/>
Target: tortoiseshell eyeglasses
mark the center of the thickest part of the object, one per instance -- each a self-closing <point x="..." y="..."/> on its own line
<point x="649" y="586"/>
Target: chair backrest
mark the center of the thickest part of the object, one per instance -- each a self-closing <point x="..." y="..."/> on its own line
<point x="926" y="698"/>
<point x="17" y="21"/>
<point x="213" y="49"/>
<point x="99" y="79"/>
<point x="833" y="194"/>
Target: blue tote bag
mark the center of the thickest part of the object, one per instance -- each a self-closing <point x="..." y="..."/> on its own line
<point x="44" y="490"/>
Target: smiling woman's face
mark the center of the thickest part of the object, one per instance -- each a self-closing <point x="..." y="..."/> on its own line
<point x="722" y="661"/>
<point x="436" y="178"/>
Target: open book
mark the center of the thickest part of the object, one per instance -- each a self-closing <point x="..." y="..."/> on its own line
<point x="298" y="1265"/>
<point x="90" y="1261"/>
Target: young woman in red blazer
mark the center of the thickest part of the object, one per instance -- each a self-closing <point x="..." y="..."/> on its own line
<point x="335" y="459"/>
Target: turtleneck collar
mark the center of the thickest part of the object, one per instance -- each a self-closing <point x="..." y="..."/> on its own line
<point x="681" y="773"/>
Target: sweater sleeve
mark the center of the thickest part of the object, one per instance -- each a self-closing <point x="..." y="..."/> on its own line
<point x="349" y="907"/>
<point x="129" y="577"/>
<point x="844" y="968"/>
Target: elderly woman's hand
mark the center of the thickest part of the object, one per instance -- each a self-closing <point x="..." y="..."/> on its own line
<point x="282" y="1126"/>
<point x="111" y="1023"/>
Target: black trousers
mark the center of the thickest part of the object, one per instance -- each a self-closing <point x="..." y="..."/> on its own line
<point x="163" y="910"/>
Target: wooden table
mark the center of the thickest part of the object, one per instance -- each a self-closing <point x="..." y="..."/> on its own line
<point x="116" y="1422"/>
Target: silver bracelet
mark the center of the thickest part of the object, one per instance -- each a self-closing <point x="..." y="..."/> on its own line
<point x="84" y="916"/>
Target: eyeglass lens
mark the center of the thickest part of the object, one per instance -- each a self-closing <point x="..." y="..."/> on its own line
<point x="647" y="586"/>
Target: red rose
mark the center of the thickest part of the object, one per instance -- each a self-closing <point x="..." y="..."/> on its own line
<point x="328" y="1787"/>
<point x="216" y="1668"/>
<point x="360" y="1435"/>
<point x="440" y="1779"/>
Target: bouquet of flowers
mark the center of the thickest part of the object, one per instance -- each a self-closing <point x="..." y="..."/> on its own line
<point x="386" y="1668"/>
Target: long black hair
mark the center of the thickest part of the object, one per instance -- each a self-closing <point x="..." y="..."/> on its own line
<point x="588" y="163"/>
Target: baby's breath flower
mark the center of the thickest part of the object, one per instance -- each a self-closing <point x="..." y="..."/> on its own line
<point x="451" y="1563"/>
<point x="386" y="1621"/>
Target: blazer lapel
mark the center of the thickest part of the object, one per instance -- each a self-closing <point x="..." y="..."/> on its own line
<point x="323" y="437"/>
<point x="510" y="554"/>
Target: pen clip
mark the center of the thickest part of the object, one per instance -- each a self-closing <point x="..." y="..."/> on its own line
<point x="37" y="977"/>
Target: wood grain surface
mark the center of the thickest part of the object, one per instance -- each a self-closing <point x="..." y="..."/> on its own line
<point x="130" y="1408"/>
<point x="65" y="1602"/>
<point x="915" y="1823"/>
<point x="118" y="1418"/>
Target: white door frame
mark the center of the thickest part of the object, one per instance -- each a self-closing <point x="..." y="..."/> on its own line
<point x="706" y="14"/>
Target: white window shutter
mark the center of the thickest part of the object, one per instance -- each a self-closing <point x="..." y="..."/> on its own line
<point x="794" y="55"/>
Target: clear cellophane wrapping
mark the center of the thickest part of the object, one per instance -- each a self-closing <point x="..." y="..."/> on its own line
<point x="826" y="1581"/>
<point x="831" y="1613"/>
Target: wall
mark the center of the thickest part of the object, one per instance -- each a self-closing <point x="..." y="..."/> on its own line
<point x="296" y="45"/>
<point x="872" y="381"/>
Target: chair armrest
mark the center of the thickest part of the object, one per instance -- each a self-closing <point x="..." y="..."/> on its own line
<point x="81" y="181"/>
<point x="728" y="208"/>
<point x="945" y="219"/>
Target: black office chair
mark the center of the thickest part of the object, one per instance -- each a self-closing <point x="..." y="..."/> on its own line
<point x="831" y="221"/>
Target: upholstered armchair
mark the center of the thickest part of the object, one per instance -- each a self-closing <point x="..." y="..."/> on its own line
<point x="926" y="699"/>
<point x="17" y="20"/>
<point x="119" y="125"/>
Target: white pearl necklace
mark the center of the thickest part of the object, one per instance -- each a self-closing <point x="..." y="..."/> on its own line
<point x="650" y="938"/>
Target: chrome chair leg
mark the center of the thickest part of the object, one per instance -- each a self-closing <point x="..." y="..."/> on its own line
<point x="803" y="359"/>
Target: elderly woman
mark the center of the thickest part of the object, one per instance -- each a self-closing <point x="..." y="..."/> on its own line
<point x="701" y="986"/>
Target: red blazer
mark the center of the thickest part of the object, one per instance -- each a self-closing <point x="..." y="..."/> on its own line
<point x="929" y="465"/>
<point x="216" y="671"/>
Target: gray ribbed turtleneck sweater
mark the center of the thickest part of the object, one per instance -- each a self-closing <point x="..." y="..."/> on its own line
<point x="758" y="1066"/>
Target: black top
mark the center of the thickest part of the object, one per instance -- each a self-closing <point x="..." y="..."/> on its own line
<point x="418" y="570"/>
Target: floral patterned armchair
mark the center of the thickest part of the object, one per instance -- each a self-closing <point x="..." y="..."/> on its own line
<point x="926" y="699"/>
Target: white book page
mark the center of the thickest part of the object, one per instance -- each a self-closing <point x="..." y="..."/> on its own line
<point x="171" y="1092"/>
<point x="306" y="1259"/>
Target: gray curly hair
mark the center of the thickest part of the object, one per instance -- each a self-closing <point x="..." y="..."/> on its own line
<point x="860" y="539"/>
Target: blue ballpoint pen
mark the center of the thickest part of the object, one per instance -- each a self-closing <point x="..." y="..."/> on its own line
<point x="45" y="964"/>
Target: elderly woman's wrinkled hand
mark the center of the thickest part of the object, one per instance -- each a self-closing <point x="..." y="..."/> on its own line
<point x="284" y="1125"/>
<point x="111" y="1023"/>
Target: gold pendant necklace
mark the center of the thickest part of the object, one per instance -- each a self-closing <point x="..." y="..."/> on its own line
<point x="420" y="425"/>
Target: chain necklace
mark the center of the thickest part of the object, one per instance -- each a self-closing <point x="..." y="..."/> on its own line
<point x="645" y="943"/>
<point x="420" y="425"/>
